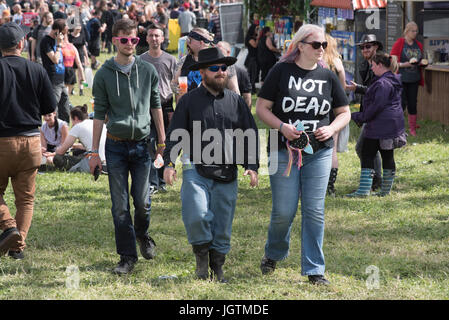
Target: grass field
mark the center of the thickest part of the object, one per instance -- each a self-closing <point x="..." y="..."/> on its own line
<point x="400" y="240"/>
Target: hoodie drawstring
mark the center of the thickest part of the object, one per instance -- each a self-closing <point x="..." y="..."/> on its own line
<point x="118" y="88"/>
<point x="137" y="71"/>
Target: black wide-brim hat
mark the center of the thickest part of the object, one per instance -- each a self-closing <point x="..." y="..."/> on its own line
<point x="370" y="38"/>
<point x="210" y="56"/>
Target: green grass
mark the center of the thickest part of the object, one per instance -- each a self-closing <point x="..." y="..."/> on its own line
<point x="405" y="236"/>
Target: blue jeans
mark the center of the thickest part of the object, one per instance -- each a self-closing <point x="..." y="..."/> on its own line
<point x="208" y="209"/>
<point x="308" y="184"/>
<point x="122" y="158"/>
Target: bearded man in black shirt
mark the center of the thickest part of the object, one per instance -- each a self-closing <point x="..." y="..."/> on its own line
<point x="221" y="133"/>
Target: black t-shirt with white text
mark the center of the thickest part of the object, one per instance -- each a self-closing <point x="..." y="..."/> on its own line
<point x="303" y="95"/>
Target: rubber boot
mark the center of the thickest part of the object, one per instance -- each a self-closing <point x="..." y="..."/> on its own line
<point x="412" y="124"/>
<point x="216" y="262"/>
<point x="202" y="260"/>
<point x="366" y="181"/>
<point x="387" y="182"/>
<point x="331" y="183"/>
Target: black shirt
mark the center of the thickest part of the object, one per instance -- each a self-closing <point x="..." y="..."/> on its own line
<point x="303" y="95"/>
<point x="26" y="94"/>
<point x="228" y="110"/>
<point x="55" y="71"/>
<point x="243" y="80"/>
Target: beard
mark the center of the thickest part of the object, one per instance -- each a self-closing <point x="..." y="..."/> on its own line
<point x="217" y="83"/>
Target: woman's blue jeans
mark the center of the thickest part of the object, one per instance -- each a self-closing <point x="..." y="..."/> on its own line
<point x="122" y="158"/>
<point x="309" y="184"/>
<point x="207" y="209"/>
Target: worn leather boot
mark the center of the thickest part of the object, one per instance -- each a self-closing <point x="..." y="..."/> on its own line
<point x="216" y="262"/>
<point x="202" y="260"/>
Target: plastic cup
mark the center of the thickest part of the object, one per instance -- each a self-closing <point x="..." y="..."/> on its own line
<point x="182" y="85"/>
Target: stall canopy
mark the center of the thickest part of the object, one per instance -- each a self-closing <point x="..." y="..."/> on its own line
<point x="340" y="4"/>
<point x="350" y="4"/>
<point x="368" y="4"/>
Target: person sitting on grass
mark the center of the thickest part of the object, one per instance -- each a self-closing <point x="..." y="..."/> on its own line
<point x="82" y="129"/>
<point x="53" y="133"/>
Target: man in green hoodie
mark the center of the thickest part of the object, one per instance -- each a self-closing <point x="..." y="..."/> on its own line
<point x="125" y="90"/>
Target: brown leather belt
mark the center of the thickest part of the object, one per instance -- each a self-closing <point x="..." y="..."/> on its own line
<point x="110" y="136"/>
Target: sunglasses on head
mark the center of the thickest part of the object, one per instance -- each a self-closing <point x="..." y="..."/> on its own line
<point x="223" y="68"/>
<point x="126" y="40"/>
<point x="317" y="44"/>
<point x="198" y="37"/>
<point x="366" y="46"/>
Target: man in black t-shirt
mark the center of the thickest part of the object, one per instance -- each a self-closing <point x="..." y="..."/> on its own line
<point x="95" y="29"/>
<point x="25" y="95"/>
<point x="52" y="60"/>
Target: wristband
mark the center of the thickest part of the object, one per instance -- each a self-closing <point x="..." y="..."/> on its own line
<point x="280" y="127"/>
<point x="92" y="154"/>
<point x="161" y="145"/>
<point x="170" y="165"/>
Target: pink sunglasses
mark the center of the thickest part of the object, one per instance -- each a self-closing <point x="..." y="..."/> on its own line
<point x="126" y="40"/>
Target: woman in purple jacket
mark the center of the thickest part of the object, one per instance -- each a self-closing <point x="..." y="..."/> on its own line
<point x="384" y="129"/>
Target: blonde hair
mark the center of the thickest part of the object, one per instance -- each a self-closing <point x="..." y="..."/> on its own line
<point x="303" y="33"/>
<point x="408" y="26"/>
<point x="331" y="52"/>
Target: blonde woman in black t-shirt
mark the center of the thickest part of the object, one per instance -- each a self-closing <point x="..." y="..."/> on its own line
<point x="296" y="99"/>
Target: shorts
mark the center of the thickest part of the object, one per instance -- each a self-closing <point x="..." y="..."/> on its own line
<point x="94" y="48"/>
<point x="69" y="76"/>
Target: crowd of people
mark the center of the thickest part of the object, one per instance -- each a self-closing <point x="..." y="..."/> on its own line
<point x="302" y="98"/>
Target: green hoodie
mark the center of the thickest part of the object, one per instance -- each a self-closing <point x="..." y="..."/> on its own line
<point x="126" y="99"/>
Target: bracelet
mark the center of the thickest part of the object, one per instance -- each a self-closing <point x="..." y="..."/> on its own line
<point x="161" y="145"/>
<point x="92" y="154"/>
<point x="170" y="165"/>
<point x="93" y="151"/>
<point x="280" y="127"/>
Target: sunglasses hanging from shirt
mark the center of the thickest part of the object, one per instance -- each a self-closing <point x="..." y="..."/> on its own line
<point x="298" y="145"/>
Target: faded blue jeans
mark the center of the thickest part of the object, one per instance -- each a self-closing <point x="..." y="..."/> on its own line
<point x="308" y="184"/>
<point x="122" y="158"/>
<point x="208" y="209"/>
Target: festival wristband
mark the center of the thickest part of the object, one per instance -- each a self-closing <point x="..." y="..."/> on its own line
<point x="161" y="145"/>
<point x="280" y="127"/>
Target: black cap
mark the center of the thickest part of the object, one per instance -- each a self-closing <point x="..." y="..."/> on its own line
<point x="210" y="56"/>
<point x="10" y="35"/>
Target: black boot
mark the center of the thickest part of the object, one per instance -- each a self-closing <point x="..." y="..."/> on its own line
<point x="332" y="179"/>
<point x="202" y="260"/>
<point x="377" y="182"/>
<point x="216" y="261"/>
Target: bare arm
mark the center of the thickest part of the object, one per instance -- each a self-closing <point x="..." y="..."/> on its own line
<point x="68" y="142"/>
<point x="248" y="99"/>
<point x="95" y="160"/>
<point x="342" y="118"/>
<point x="263" y="111"/>
<point x="159" y="124"/>
<point x="233" y="84"/>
